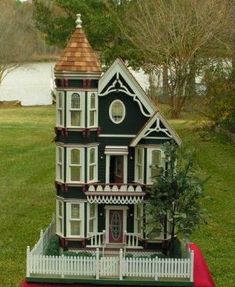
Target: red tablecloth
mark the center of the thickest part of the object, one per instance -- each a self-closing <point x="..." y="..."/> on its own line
<point x="202" y="275"/>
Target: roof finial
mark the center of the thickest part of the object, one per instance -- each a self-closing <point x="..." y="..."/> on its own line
<point x="78" y="21"/>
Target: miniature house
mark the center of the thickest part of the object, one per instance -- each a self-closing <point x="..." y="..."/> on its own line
<point x="109" y="138"/>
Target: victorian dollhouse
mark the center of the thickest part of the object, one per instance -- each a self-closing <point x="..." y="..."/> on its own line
<point x="109" y="138"/>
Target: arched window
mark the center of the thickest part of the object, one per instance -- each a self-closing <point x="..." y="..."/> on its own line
<point x="75" y="113"/>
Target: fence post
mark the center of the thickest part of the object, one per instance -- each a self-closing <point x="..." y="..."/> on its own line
<point x="155" y="269"/>
<point x="191" y="265"/>
<point x="62" y="266"/>
<point x="121" y="264"/>
<point x="28" y="262"/>
<point x="97" y="262"/>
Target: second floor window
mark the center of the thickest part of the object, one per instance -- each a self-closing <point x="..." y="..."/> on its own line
<point x="75" y="159"/>
<point x="92" y="164"/>
<point x="139" y="165"/>
<point x="155" y="161"/>
<point x="59" y="163"/>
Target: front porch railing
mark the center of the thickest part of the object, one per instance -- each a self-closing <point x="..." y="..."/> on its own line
<point x="132" y="240"/>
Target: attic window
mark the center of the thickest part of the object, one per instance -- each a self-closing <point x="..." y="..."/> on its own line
<point x="117" y="111"/>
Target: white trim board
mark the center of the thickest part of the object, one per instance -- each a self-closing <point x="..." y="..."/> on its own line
<point x="146" y="130"/>
<point x="118" y="67"/>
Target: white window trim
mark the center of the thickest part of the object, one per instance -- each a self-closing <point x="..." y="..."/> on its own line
<point x="89" y="109"/>
<point x="69" y="164"/>
<point x="58" y="108"/>
<point x="110" y="112"/>
<point x="92" y="218"/>
<point x="95" y="164"/>
<point x="58" y="163"/>
<point x="149" y="162"/>
<point x="82" y="109"/>
<point x="69" y="219"/>
<point x="136" y="220"/>
<point x="142" y="175"/>
<point x="59" y="217"/>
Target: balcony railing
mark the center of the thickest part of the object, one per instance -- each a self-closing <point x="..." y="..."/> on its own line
<point x="115" y="188"/>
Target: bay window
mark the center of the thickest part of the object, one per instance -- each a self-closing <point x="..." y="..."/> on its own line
<point x="59" y="217"/>
<point x="75" y="163"/>
<point x="75" y="217"/>
<point x="59" y="163"/>
<point x="92" y="110"/>
<point x="155" y="161"/>
<point x="139" y="164"/>
<point x="75" y="110"/>
<point x="92" y="218"/>
<point x="92" y="164"/>
<point x="59" y="109"/>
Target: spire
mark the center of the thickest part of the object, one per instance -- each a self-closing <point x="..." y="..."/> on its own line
<point x="78" y="56"/>
<point x="78" y="21"/>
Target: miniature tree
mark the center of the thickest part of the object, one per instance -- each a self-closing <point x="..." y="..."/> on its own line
<point x="175" y="197"/>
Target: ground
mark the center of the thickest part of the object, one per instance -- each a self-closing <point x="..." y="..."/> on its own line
<point x="27" y="189"/>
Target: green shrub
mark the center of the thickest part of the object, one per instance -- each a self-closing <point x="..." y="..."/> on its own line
<point x="53" y="247"/>
<point x="78" y="254"/>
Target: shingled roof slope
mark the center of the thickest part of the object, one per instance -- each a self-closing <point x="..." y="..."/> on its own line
<point x="78" y="56"/>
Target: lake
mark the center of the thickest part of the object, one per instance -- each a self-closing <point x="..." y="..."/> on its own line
<point x="31" y="84"/>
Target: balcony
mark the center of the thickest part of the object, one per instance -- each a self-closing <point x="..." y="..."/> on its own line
<point x="113" y="193"/>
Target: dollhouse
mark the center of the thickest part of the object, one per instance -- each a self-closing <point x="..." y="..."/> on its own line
<point x="109" y="138"/>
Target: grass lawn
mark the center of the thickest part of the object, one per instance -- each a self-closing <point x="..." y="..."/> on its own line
<point x="27" y="190"/>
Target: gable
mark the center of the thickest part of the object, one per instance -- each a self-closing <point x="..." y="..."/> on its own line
<point x="118" y="78"/>
<point x="156" y="128"/>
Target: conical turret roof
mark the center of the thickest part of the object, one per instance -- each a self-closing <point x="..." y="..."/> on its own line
<point x="78" y="56"/>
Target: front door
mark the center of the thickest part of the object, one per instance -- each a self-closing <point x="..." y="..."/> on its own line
<point x="115" y="226"/>
<point x="116" y="169"/>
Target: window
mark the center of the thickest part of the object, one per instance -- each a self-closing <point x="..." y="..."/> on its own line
<point x="75" y="110"/>
<point x="92" y="164"/>
<point x="60" y="109"/>
<point x="75" y="219"/>
<point x="139" y="165"/>
<point x="75" y="165"/>
<point x="138" y="218"/>
<point x="92" y="110"/>
<point x="59" y="217"/>
<point x="155" y="161"/>
<point x="92" y="218"/>
<point x="59" y="163"/>
<point x="117" y="111"/>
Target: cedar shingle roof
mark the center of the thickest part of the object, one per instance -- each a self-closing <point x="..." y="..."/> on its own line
<point x="78" y="56"/>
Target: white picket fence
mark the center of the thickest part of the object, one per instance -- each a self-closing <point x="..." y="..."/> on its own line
<point x="109" y="266"/>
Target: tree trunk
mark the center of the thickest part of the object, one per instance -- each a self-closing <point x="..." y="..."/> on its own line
<point x="165" y="84"/>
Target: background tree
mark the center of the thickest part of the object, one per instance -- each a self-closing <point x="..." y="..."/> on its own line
<point x="176" y="35"/>
<point x="56" y="18"/>
<point x="175" y="197"/>
<point x="16" y="35"/>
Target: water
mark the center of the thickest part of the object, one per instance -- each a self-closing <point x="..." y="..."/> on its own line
<point x="30" y="84"/>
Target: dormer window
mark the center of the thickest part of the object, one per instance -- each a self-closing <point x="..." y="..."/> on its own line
<point x="117" y="111"/>
<point x="75" y="110"/>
